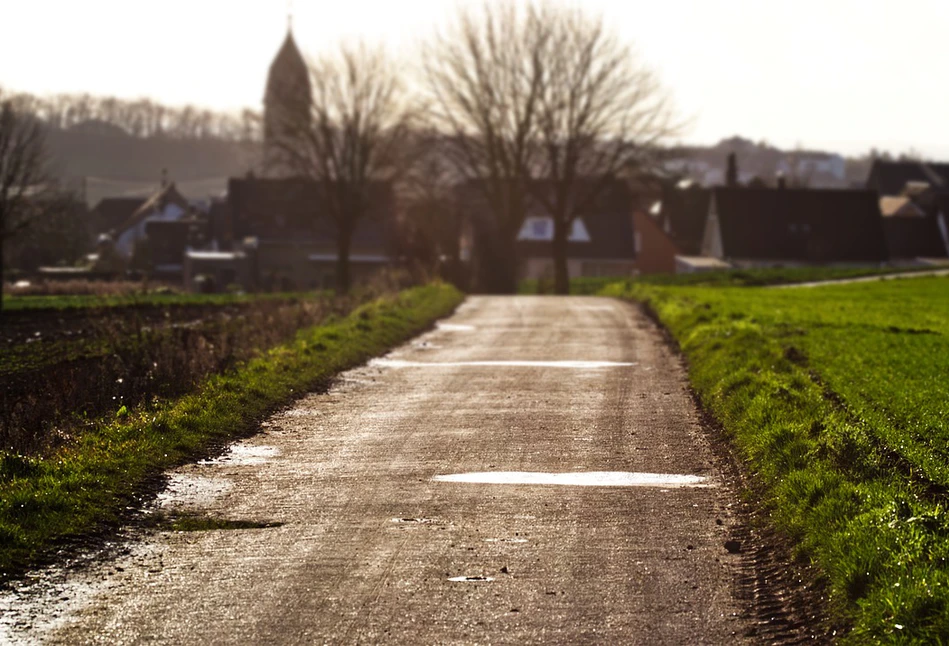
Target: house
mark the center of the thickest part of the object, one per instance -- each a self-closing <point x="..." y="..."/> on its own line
<point x="110" y="213"/>
<point x="671" y="227"/>
<point x="761" y="227"/>
<point x="166" y="205"/>
<point x="294" y="237"/>
<point x="892" y="177"/>
<point x="600" y="242"/>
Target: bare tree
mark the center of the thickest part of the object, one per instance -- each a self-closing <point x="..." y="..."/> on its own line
<point x="484" y="79"/>
<point x="353" y="139"/>
<point x="22" y="168"/>
<point x="600" y="112"/>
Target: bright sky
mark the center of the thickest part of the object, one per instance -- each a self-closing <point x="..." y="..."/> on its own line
<point x="842" y="75"/>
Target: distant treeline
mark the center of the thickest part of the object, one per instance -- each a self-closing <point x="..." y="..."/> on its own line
<point x="140" y="118"/>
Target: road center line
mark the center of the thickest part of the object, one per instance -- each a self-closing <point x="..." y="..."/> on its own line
<point x="578" y="479"/>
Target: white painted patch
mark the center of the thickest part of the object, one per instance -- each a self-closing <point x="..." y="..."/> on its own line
<point x="454" y="327"/>
<point x="576" y="365"/>
<point x="583" y="479"/>
<point x="471" y="579"/>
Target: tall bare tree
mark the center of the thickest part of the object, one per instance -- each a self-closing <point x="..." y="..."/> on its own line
<point x="23" y="167"/>
<point x="354" y="139"/>
<point x="484" y="80"/>
<point x="600" y="111"/>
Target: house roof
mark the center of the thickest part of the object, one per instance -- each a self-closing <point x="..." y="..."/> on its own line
<point x="608" y="221"/>
<point x="292" y="209"/>
<point x="158" y="202"/>
<point x="890" y="177"/>
<point x="682" y="213"/>
<point x="800" y="225"/>
<point x="899" y="206"/>
<point x="112" y="212"/>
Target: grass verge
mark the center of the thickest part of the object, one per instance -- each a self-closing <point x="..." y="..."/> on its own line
<point x="835" y="398"/>
<point x="730" y="278"/>
<point x="86" y="486"/>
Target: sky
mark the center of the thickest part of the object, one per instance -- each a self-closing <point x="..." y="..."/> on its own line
<point x="835" y="75"/>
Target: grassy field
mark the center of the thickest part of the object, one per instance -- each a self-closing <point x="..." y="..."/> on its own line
<point x="83" y="486"/>
<point x="732" y="278"/>
<point x="837" y="400"/>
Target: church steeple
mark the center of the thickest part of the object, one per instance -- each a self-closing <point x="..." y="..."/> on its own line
<point x="287" y="99"/>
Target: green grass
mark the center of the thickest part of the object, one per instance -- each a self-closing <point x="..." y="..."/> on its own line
<point x="85" y="486"/>
<point x="837" y="400"/>
<point x="730" y="278"/>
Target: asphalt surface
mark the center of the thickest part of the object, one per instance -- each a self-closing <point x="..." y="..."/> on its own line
<point x="386" y="537"/>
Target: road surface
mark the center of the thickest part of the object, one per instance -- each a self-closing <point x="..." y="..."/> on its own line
<point x="531" y="471"/>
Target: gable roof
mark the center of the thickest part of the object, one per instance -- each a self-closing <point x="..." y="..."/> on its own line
<point x="112" y="212"/>
<point x="291" y="209"/>
<point x="890" y="177"/>
<point x="798" y="225"/>
<point x="899" y="206"/>
<point x="682" y="215"/>
<point x="158" y="202"/>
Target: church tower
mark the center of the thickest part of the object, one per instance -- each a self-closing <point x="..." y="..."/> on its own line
<point x="287" y="104"/>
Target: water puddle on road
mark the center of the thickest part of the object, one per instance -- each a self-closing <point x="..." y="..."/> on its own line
<point x="575" y="365"/>
<point x="578" y="479"/>
<point x="470" y="579"/>
<point x="244" y="454"/>
<point x="185" y="490"/>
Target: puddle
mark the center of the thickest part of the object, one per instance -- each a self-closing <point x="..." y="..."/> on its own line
<point x="188" y="523"/>
<point x="188" y="490"/>
<point x="454" y="327"/>
<point x="244" y="454"/>
<point x="470" y="579"/>
<point x="578" y="479"/>
<point x="576" y="365"/>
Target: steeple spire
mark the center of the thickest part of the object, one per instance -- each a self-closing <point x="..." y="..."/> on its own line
<point x="289" y="15"/>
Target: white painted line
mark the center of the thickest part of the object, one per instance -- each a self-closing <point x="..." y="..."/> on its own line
<point x="577" y="365"/>
<point x="454" y="327"/>
<point x="584" y="479"/>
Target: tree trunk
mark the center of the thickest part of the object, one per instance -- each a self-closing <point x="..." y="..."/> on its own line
<point x="343" y="241"/>
<point x="559" y="247"/>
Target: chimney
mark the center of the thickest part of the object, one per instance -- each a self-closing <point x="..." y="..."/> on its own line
<point x="164" y="177"/>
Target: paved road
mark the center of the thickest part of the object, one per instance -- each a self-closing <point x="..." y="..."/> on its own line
<point x="386" y="535"/>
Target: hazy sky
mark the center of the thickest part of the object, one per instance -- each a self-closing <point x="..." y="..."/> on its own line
<point x="835" y="74"/>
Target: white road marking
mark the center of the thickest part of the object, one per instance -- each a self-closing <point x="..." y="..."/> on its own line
<point x="454" y="327"/>
<point x="584" y="479"/>
<point x="577" y="365"/>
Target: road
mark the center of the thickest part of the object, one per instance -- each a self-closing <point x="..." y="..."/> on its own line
<point x="531" y="471"/>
